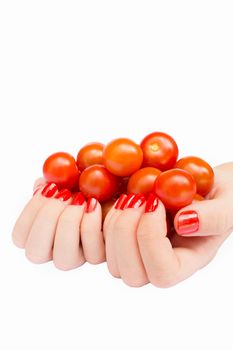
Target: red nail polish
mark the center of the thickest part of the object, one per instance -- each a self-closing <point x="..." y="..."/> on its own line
<point x="120" y="201"/>
<point x="91" y="205"/>
<point x="135" y="201"/>
<point x="152" y="203"/>
<point x="78" y="199"/>
<point x="63" y="195"/>
<point x="126" y="200"/>
<point x="188" y="222"/>
<point x="49" y="190"/>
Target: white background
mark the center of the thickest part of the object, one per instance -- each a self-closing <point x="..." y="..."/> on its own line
<point x="72" y="72"/>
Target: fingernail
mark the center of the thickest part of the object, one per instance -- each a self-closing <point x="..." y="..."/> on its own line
<point x="135" y="201"/>
<point x="63" y="195"/>
<point x="91" y="205"/>
<point x="49" y="190"/>
<point x="152" y="203"/>
<point x="188" y="222"/>
<point x="120" y="201"/>
<point x="78" y="199"/>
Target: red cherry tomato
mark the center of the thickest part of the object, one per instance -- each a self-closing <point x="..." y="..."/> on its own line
<point x="122" y="188"/>
<point x="176" y="188"/>
<point x="62" y="169"/>
<point x="122" y="157"/>
<point x="90" y="154"/>
<point x="201" y="171"/>
<point x="142" y="181"/>
<point x="198" y="198"/>
<point x="159" y="150"/>
<point x="96" y="181"/>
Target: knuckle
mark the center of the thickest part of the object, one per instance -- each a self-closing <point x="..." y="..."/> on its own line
<point x="19" y="243"/>
<point x="113" y="271"/>
<point x="35" y="259"/>
<point x="163" y="281"/>
<point x="63" y="266"/>
<point x="135" y="282"/>
<point x="95" y="260"/>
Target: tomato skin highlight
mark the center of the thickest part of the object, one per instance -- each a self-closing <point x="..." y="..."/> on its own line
<point x="142" y="181"/>
<point x="201" y="171"/>
<point x="96" y="181"/>
<point x="159" y="151"/>
<point x="122" y="157"/>
<point x="61" y="168"/>
<point x="90" y="154"/>
<point x="176" y="188"/>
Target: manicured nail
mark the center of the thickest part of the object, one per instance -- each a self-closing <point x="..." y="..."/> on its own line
<point x="91" y="205"/>
<point x="152" y="203"/>
<point x="49" y="190"/>
<point x="120" y="201"/>
<point x="188" y="222"/>
<point x="135" y="201"/>
<point x="78" y="199"/>
<point x="63" y="195"/>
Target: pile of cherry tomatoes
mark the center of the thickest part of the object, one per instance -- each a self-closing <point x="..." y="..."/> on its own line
<point x="123" y="166"/>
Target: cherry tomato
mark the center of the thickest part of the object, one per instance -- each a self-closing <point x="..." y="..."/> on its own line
<point x="159" y="150"/>
<point x="62" y="169"/>
<point x="122" y="188"/>
<point x="90" y="154"/>
<point x="96" y="181"/>
<point x="198" y="198"/>
<point x="122" y="157"/>
<point x="176" y="188"/>
<point x="142" y="181"/>
<point x="201" y="171"/>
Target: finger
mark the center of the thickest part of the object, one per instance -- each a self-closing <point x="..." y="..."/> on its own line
<point x="67" y="250"/>
<point x="160" y="261"/>
<point x="164" y="265"/>
<point x="127" y="253"/>
<point x="39" y="183"/>
<point x="205" y="218"/>
<point x="38" y="247"/>
<point x="91" y="233"/>
<point x="24" y="222"/>
<point x="108" y="226"/>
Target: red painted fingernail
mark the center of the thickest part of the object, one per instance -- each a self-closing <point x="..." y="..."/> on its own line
<point x="63" y="195"/>
<point x="135" y="201"/>
<point x="91" y="205"/>
<point x="152" y="203"/>
<point x="49" y="190"/>
<point x="126" y="200"/>
<point x="78" y="199"/>
<point x="120" y="201"/>
<point x="188" y="222"/>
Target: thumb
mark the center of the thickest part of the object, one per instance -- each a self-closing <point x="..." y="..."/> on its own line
<point x="205" y="218"/>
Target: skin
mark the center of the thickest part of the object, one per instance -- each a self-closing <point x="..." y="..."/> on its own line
<point x="135" y="243"/>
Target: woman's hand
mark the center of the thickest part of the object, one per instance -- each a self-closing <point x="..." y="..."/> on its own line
<point x="55" y="226"/>
<point x="138" y="249"/>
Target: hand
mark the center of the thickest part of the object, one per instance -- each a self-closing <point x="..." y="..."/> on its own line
<point x="138" y="249"/>
<point x="60" y="229"/>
